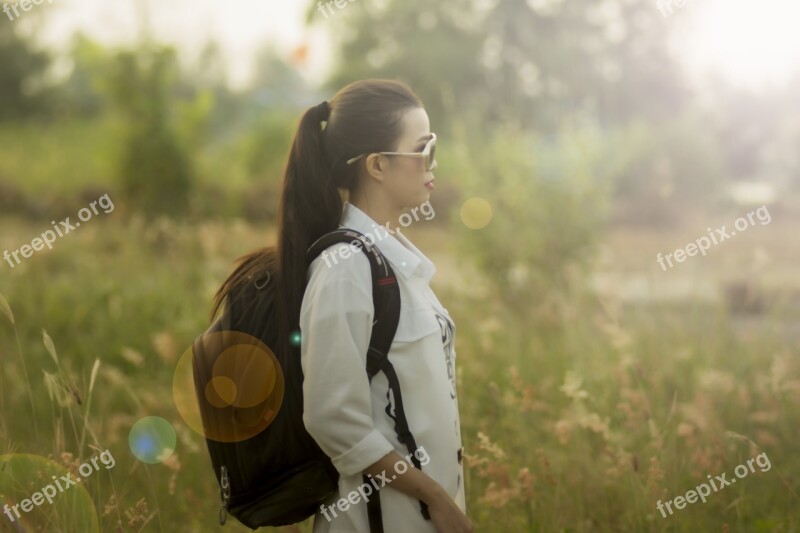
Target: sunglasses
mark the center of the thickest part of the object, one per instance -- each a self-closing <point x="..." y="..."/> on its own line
<point x="428" y="154"/>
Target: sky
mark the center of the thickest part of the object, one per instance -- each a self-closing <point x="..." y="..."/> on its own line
<point x="750" y="43"/>
<point x="240" y="26"/>
<point x="753" y="44"/>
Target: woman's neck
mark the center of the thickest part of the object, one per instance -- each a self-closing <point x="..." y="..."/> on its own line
<point x="382" y="212"/>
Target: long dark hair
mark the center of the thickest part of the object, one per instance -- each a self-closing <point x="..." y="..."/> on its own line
<point x="364" y="117"/>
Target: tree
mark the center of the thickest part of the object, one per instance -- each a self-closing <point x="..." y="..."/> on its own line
<point x="22" y="71"/>
<point x="155" y="169"/>
<point x="528" y="61"/>
<point x="431" y="46"/>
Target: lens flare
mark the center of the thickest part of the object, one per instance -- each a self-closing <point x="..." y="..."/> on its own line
<point x="239" y="384"/>
<point x="476" y="213"/>
<point x="152" y="440"/>
<point x="31" y="478"/>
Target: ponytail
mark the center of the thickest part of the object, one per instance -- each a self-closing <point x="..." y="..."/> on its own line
<point x="311" y="206"/>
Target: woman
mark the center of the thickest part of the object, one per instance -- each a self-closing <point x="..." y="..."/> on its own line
<point x="371" y="143"/>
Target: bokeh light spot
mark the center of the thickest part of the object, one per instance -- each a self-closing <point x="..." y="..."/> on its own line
<point x="69" y="510"/>
<point x="250" y="370"/>
<point x="295" y="338"/>
<point x="476" y="213"/>
<point x="240" y="382"/>
<point x="152" y="440"/>
<point x="221" y="391"/>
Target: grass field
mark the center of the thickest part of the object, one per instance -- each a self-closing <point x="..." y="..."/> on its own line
<point x="582" y="419"/>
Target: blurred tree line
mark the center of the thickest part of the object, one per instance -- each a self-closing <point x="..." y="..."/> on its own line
<point x="22" y="68"/>
<point x="569" y="105"/>
<point x="559" y="110"/>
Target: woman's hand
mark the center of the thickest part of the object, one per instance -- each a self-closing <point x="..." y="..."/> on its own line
<point x="447" y="517"/>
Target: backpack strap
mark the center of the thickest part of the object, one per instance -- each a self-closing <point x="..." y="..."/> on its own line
<point x="386" y="300"/>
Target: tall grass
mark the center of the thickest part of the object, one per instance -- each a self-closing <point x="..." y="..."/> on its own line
<point x="580" y="420"/>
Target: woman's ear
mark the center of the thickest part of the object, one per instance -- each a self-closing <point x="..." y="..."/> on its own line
<point x="374" y="167"/>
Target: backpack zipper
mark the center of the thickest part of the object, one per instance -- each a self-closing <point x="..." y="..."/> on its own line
<point x="224" y="494"/>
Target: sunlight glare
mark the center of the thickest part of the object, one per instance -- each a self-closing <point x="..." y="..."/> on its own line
<point x="749" y="43"/>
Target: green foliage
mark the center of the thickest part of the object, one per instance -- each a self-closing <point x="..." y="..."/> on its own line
<point x="667" y="170"/>
<point x="415" y="42"/>
<point x="57" y="159"/>
<point x="267" y="145"/>
<point x="548" y="201"/>
<point x="21" y="75"/>
<point x="155" y="169"/>
<point x="193" y="119"/>
<point x="81" y="93"/>
<point x="516" y="60"/>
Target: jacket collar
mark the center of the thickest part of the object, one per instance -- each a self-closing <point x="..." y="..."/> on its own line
<point x="401" y="253"/>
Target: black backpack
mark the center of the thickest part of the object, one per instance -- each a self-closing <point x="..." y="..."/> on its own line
<point x="278" y="475"/>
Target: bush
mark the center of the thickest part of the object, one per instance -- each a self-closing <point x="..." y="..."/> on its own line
<point x="548" y="200"/>
<point x="155" y="170"/>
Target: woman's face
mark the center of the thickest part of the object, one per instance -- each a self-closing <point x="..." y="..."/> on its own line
<point x="406" y="178"/>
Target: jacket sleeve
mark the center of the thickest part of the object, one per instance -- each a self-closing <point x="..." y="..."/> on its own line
<point x="336" y="323"/>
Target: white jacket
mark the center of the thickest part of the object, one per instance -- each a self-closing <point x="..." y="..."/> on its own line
<point x="343" y="412"/>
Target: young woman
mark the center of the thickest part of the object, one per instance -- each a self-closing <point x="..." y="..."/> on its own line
<point x="371" y="145"/>
<point x="377" y="146"/>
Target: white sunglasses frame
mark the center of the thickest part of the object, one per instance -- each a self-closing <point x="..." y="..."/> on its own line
<point x="425" y="153"/>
